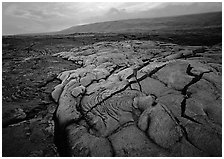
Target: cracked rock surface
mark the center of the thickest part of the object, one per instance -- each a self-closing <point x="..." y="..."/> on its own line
<point x="140" y="98"/>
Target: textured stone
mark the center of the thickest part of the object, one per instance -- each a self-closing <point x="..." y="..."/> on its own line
<point x="84" y="144"/>
<point x="209" y="139"/>
<point x="140" y="98"/>
<point x="162" y="128"/>
<point x="153" y="86"/>
<point x="174" y="56"/>
<point x="205" y="97"/>
<point x="174" y="75"/>
<point x="130" y="141"/>
<point x="57" y="92"/>
<point x="144" y="102"/>
<point x="78" y="90"/>
<point x="144" y="119"/>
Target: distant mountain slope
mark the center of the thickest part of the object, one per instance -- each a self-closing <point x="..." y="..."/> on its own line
<point x="195" y="21"/>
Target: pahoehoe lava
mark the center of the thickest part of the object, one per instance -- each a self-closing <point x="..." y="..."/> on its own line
<point x="139" y="98"/>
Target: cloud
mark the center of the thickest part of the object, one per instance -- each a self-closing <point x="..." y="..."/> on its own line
<point x="133" y="7"/>
<point x="51" y="16"/>
<point x="35" y="11"/>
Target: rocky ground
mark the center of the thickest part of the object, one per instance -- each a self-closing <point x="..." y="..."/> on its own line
<point x="27" y="81"/>
<point x="28" y="128"/>
<point x="118" y="90"/>
<point x="140" y="98"/>
<point x="29" y="74"/>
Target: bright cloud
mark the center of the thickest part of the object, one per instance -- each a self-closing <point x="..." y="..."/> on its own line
<point x="49" y="16"/>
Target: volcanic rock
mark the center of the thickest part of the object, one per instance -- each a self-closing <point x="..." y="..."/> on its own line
<point x="140" y="98"/>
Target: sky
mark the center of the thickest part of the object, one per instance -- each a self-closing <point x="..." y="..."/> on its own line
<point x="39" y="17"/>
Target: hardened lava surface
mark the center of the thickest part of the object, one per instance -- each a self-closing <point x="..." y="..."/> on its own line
<point x="140" y="98"/>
